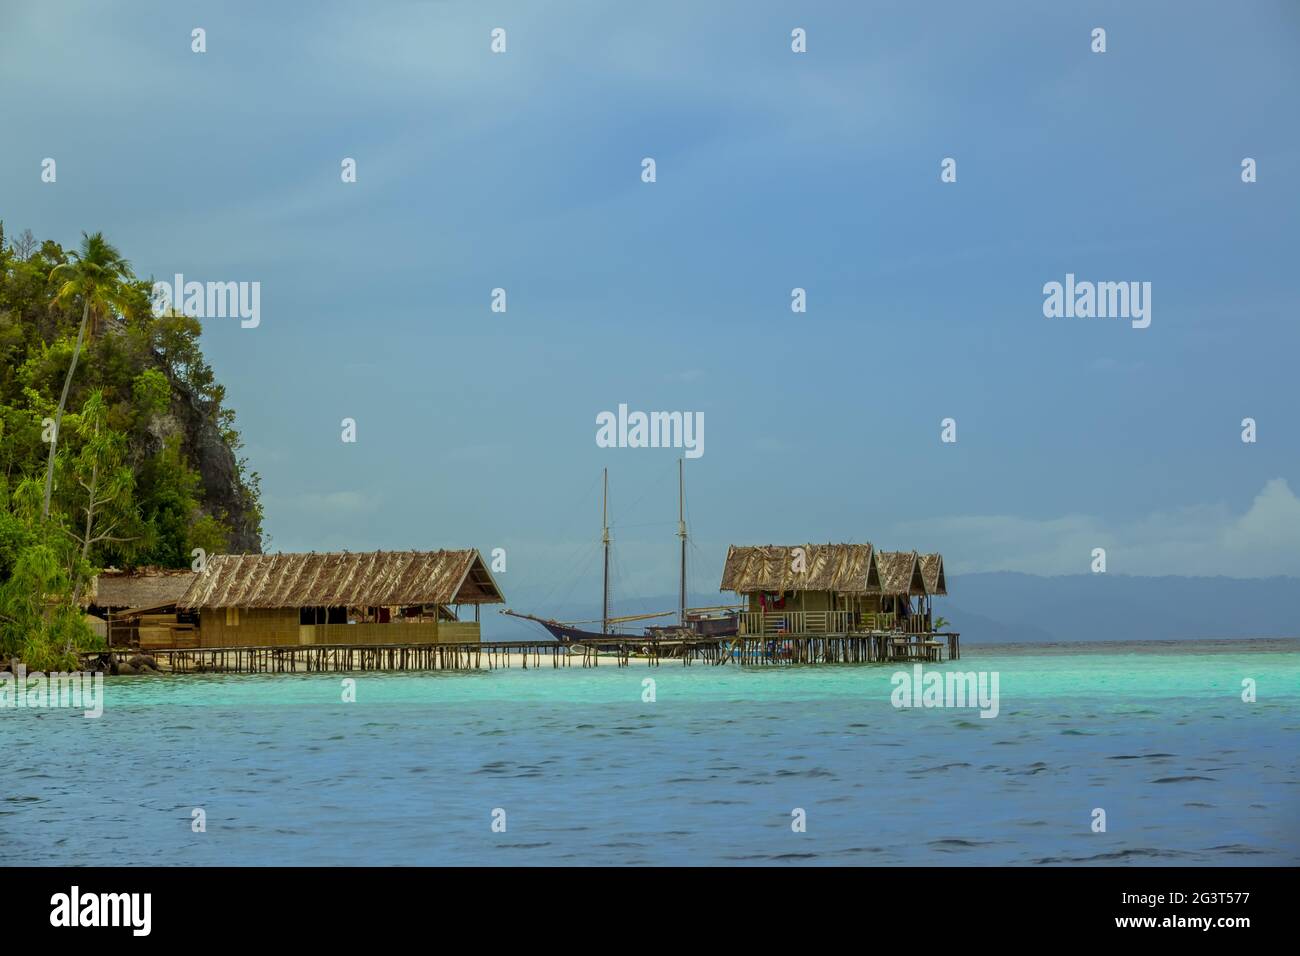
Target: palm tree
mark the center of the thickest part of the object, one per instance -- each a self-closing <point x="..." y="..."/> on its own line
<point x="98" y="275"/>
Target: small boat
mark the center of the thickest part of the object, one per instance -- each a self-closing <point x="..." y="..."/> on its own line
<point x="708" y="622"/>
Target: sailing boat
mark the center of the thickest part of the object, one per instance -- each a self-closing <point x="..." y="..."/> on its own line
<point x="691" y="622"/>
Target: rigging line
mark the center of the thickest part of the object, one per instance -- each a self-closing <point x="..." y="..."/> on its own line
<point x="694" y="552"/>
<point x="613" y="583"/>
<point x="583" y="501"/>
<point x="656" y="483"/>
<point x="641" y="600"/>
<point x="569" y="562"/>
<point x="573" y="556"/>
<point x="652" y="486"/>
<point x="616" y="568"/>
<point x="573" y="583"/>
<point x="617" y="576"/>
<point x="693" y="579"/>
<point x="693" y="561"/>
<point x="519" y="625"/>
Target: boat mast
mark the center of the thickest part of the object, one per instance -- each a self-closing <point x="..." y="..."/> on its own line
<point x="681" y="533"/>
<point x="604" y="539"/>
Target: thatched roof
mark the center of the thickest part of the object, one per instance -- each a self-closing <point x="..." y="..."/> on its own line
<point x="378" y="579"/>
<point x="900" y="572"/>
<point x="932" y="572"/>
<point x="844" y="568"/>
<point x="151" y="587"/>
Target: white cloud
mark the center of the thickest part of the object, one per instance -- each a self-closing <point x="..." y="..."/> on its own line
<point x="1270" y="529"/>
<point x="1203" y="540"/>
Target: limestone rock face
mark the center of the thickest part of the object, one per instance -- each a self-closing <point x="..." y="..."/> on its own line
<point x="224" y="495"/>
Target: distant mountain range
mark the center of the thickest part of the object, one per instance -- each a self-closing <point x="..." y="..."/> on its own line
<point x="1007" y="607"/>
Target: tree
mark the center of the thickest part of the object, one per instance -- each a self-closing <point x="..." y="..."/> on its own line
<point x="106" y="482"/>
<point x="24" y="245"/>
<point x="134" y="434"/>
<point x="99" y="276"/>
<point x="169" y="505"/>
<point x="39" y="622"/>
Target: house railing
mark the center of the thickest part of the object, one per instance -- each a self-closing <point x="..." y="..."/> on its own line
<point x="795" y="622"/>
<point x="776" y="623"/>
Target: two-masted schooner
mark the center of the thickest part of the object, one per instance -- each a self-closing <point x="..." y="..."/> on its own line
<point x="691" y="622"/>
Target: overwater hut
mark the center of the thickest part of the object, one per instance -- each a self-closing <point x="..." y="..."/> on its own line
<point x="900" y="574"/>
<point x="936" y="584"/>
<point x="932" y="573"/>
<point x="114" y="590"/>
<point x="382" y="597"/>
<point x="901" y="581"/>
<point x="140" y="606"/>
<point x="807" y="588"/>
<point x="830" y="588"/>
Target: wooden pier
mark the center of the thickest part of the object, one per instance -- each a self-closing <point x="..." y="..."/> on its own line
<point x="618" y="650"/>
<point x="847" y="648"/>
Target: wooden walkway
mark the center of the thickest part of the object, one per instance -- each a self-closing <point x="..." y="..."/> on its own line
<point x="491" y="655"/>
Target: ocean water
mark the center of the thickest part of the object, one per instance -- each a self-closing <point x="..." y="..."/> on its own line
<point x="711" y="772"/>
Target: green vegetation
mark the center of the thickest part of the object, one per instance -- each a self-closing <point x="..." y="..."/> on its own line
<point x="109" y="421"/>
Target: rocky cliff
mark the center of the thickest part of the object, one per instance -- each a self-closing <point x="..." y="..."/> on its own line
<point x="224" y="494"/>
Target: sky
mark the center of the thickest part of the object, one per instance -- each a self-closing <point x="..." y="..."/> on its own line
<point x="774" y="170"/>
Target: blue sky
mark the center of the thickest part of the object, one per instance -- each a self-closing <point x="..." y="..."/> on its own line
<point x="775" y="170"/>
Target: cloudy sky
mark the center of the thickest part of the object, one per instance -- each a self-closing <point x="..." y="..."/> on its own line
<point x="775" y="170"/>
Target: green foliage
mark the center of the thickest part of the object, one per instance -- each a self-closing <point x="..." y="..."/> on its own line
<point x="43" y="633"/>
<point x="97" y="275"/>
<point x="152" y="392"/>
<point x="103" y="484"/>
<point x="15" y="536"/>
<point x="39" y="622"/>
<point x="124" y="488"/>
<point x="174" y="525"/>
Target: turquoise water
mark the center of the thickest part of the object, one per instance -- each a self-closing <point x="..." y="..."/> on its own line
<point x="710" y="772"/>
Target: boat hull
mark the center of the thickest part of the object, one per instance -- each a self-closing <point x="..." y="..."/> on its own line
<point x="566" y="634"/>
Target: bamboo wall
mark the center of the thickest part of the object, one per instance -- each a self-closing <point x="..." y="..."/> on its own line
<point x="257" y="627"/>
<point x="276" y="627"/>
<point x="459" y="632"/>
<point x="398" y="632"/>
